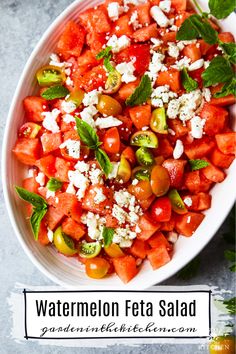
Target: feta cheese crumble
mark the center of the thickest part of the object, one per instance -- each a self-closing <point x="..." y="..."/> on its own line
<point x="118" y="44"/>
<point x="50" y="235"/>
<point x="114" y="10"/>
<point x="91" y="98"/>
<point x="173" y="50"/>
<point x="196" y="65"/>
<point x="73" y="148"/>
<point x="178" y="150"/>
<point x="188" y="201"/>
<point x="165" y="5"/>
<point x="161" y="95"/>
<point x="127" y="72"/>
<point x="49" y="121"/>
<point x="159" y="16"/>
<point x="68" y="106"/>
<point x="87" y="115"/>
<point x="40" y="179"/>
<point x="99" y="196"/>
<point x="114" y="172"/>
<point x="197" y="125"/>
<point x="108" y="122"/>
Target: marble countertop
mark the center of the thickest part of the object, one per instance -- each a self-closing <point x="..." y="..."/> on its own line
<point x="21" y="26"/>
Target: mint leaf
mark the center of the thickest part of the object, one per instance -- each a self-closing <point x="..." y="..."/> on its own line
<point x="230" y="51"/>
<point x="39" y="210"/>
<point x="54" y="184"/>
<point x="219" y="71"/>
<point x="230" y="255"/>
<point x="190" y="270"/>
<point x="55" y="92"/>
<point x="188" y="83"/>
<point x="107" y="234"/>
<point x="228" y="89"/>
<point x="35" y="221"/>
<point x="87" y="134"/>
<point x="221" y="8"/>
<point x="197" y="27"/>
<point x="104" y="53"/>
<point x="141" y="93"/>
<point x="104" y="161"/>
<point x="231" y="305"/>
<point x="32" y="198"/>
<point x="198" y="164"/>
<point x="233" y="268"/>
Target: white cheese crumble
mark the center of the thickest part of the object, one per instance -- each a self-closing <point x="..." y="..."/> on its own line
<point x="134" y="20"/>
<point x="156" y="42"/>
<point x="68" y="106"/>
<point x="70" y="189"/>
<point x="50" y="194"/>
<point x="73" y="148"/>
<point x="119" y="214"/>
<point x="196" y="65"/>
<point x="206" y="92"/>
<point x="68" y="118"/>
<point x="79" y="181"/>
<point x="108" y="122"/>
<point x="87" y="115"/>
<point x="188" y="201"/>
<point x="82" y="166"/>
<point x="49" y="121"/>
<point x="159" y="16"/>
<point x="165" y="5"/>
<point x="197" y="125"/>
<point x="161" y="95"/>
<point x="40" y="179"/>
<point x="182" y="63"/>
<point x="50" y="235"/>
<point x="127" y="71"/>
<point x="114" y="171"/>
<point x="99" y="196"/>
<point x="91" y="98"/>
<point x="178" y="150"/>
<point x="118" y="44"/>
<point x="173" y="50"/>
<point x="155" y="66"/>
<point x="172" y="236"/>
<point x="95" y="176"/>
<point x="114" y="10"/>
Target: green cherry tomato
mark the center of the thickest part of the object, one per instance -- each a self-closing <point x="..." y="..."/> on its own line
<point x="158" y="121"/>
<point x="141" y="174"/>
<point x="124" y="171"/>
<point x="63" y="243"/>
<point x="90" y="249"/>
<point x="177" y="203"/>
<point x="144" y="157"/>
<point x="50" y="75"/>
<point x="113" y="82"/>
<point x="145" y="139"/>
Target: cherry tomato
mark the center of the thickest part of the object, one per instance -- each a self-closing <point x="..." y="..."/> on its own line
<point x="63" y="243"/>
<point x="160" y="180"/>
<point x="97" y="267"/>
<point x="114" y="251"/>
<point x="161" y="210"/>
<point x="111" y="141"/>
<point x="29" y="130"/>
<point x="124" y="171"/>
<point x="222" y="345"/>
<point x="109" y="106"/>
<point x="142" y="190"/>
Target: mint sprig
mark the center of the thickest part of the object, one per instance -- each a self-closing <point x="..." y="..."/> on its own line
<point x="230" y="51"/>
<point x="55" y="92"/>
<point x="141" y="93"/>
<point x="198" y="164"/>
<point x="40" y="207"/>
<point x="107" y="235"/>
<point x="219" y="71"/>
<point x="188" y="83"/>
<point x="228" y="89"/>
<point x="106" y="55"/>
<point x="54" y="184"/>
<point x="221" y="8"/>
<point x="89" y="137"/>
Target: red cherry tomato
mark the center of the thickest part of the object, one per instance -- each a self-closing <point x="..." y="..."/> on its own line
<point x="111" y="141"/>
<point x="161" y="209"/>
<point x="29" y="130"/>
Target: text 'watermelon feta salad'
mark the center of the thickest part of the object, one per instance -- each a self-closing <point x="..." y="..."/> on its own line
<point x="128" y="133"/>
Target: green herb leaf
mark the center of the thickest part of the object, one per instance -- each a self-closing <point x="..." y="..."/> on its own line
<point x="190" y="270"/>
<point x="107" y="234"/>
<point x="104" y="161"/>
<point x="231" y="305"/>
<point x="228" y="89"/>
<point x="32" y="198"/>
<point x="141" y="93"/>
<point x="230" y="51"/>
<point x="197" y="27"/>
<point x="233" y="268"/>
<point x="54" y="184"/>
<point x="219" y="71"/>
<point x="35" y="221"/>
<point x="55" y="92"/>
<point x="198" y="164"/>
<point x="87" y="134"/>
<point x="188" y="83"/>
<point x="108" y="65"/>
<point x="221" y="8"/>
<point x="104" y="53"/>
<point x="230" y="255"/>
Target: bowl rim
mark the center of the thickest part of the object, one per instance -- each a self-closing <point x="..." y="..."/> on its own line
<point x="8" y="197"/>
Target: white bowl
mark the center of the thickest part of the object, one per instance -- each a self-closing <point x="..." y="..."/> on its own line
<point x="66" y="271"/>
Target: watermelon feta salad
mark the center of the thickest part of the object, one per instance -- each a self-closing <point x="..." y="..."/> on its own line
<point x="129" y="132"/>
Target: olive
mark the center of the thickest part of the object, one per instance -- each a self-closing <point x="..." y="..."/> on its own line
<point x="50" y="75"/>
<point x="63" y="243"/>
<point x="141" y="174"/>
<point x="144" y="157"/>
<point x="145" y="139"/>
<point x="113" y="82"/>
<point x="109" y="106"/>
<point x="177" y="203"/>
<point x="158" y="121"/>
<point x="90" y="249"/>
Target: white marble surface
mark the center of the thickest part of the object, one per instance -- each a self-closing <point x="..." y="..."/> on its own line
<point x="22" y="22"/>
